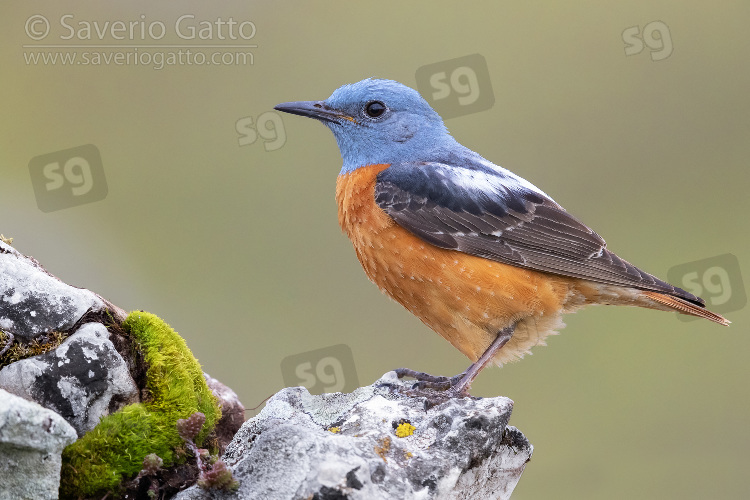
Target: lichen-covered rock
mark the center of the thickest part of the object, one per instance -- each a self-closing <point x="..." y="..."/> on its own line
<point x="123" y="387"/>
<point x="31" y="441"/>
<point x="375" y="443"/>
<point x="33" y="302"/>
<point x="83" y="379"/>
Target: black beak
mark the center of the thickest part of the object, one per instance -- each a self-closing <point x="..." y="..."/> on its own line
<point x="313" y="109"/>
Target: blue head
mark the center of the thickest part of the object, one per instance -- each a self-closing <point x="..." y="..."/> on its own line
<point x="379" y="121"/>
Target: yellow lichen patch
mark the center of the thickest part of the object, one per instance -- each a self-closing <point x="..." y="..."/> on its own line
<point x="335" y="430"/>
<point x="385" y="445"/>
<point x="408" y="455"/>
<point x="405" y="429"/>
<point x="7" y="241"/>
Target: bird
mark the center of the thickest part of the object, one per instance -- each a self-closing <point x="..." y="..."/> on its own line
<point x="480" y="255"/>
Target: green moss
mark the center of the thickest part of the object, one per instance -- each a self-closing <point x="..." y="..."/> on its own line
<point x="113" y="451"/>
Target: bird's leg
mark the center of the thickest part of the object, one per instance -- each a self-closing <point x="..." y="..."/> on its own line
<point x="460" y="384"/>
<point x="461" y="388"/>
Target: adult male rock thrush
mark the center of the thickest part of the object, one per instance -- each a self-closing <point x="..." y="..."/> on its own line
<point x="480" y="255"/>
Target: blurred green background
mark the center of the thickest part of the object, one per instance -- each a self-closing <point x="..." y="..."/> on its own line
<point x="238" y="247"/>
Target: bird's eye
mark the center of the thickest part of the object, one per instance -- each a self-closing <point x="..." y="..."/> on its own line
<point x="375" y="109"/>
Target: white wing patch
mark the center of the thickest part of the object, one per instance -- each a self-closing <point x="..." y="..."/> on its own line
<point x="510" y="179"/>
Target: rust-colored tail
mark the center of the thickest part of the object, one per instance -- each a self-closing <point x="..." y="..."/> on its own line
<point x="686" y="307"/>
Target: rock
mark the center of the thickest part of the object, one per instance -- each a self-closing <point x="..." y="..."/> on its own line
<point x="33" y="302"/>
<point x="83" y="379"/>
<point x="232" y="412"/>
<point x="93" y="373"/>
<point x="31" y="441"/>
<point x="375" y="443"/>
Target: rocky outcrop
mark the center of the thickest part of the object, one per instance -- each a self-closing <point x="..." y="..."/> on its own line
<point x="378" y="442"/>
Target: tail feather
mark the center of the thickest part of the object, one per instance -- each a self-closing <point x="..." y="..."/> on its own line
<point x="685" y="307"/>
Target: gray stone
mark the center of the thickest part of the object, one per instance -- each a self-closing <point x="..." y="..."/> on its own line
<point x="83" y="379"/>
<point x="33" y="302"/>
<point x="336" y="446"/>
<point x="31" y="442"/>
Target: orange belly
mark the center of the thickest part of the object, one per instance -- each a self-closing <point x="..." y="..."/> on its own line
<point x="466" y="299"/>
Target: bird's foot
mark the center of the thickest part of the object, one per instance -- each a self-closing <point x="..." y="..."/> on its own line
<point x="436" y="389"/>
<point x="427" y="381"/>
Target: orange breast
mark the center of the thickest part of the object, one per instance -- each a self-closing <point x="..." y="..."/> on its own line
<point x="466" y="299"/>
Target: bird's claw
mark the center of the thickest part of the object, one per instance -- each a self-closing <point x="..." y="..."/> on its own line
<point x="446" y="387"/>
